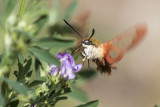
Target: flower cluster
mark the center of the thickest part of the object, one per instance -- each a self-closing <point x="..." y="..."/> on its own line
<point x="68" y="67"/>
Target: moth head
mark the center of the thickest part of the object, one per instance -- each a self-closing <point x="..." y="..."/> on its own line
<point x="85" y="42"/>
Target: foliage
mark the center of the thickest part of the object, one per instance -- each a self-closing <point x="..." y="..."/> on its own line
<point x="30" y="40"/>
<point x="156" y="105"/>
<point x="90" y="104"/>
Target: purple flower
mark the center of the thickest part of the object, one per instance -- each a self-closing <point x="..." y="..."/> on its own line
<point x="68" y="68"/>
<point x="54" y="70"/>
<point x="32" y="105"/>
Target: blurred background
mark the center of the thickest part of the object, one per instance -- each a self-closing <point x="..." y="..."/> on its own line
<point x="136" y="83"/>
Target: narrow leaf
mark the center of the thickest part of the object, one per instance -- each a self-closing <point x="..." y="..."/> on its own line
<point x="65" y="91"/>
<point x="58" y="99"/>
<point x="55" y="43"/>
<point x="78" y="94"/>
<point x="44" y="55"/>
<point x="37" y="82"/>
<point x="16" y="86"/>
<point x="8" y="9"/>
<point x="27" y="66"/>
<point x="52" y="96"/>
<point x="85" y="74"/>
<point x="54" y="51"/>
<point x="57" y="8"/>
<point x="90" y="104"/>
<point x="22" y="9"/>
<point x="16" y="73"/>
<point x="21" y="58"/>
<point x="37" y="65"/>
<point x="27" y="35"/>
<point x="1" y="101"/>
<point x="20" y="70"/>
<point x="5" y="89"/>
<point x="40" y="22"/>
<point x="14" y="103"/>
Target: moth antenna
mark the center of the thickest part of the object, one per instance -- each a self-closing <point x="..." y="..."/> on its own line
<point x="76" y="49"/>
<point x="93" y="31"/>
<point x="73" y="29"/>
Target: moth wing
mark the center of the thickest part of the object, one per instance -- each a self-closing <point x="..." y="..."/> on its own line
<point x="116" y="48"/>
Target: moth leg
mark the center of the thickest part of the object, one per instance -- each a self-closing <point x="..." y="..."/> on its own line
<point x="83" y="60"/>
<point x="75" y="50"/>
<point x="85" y="56"/>
<point x="88" y="65"/>
<point x="83" y="63"/>
<point x="82" y="53"/>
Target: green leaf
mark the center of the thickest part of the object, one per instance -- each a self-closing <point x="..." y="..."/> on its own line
<point x="35" y="10"/>
<point x="58" y="99"/>
<point x="20" y="88"/>
<point x="61" y="98"/>
<point x="65" y="91"/>
<point x="40" y="22"/>
<point x="1" y="101"/>
<point x="14" y="103"/>
<point x="5" y="89"/>
<point x="57" y="8"/>
<point x="70" y="9"/>
<point x="8" y="9"/>
<point x="58" y="92"/>
<point x="87" y="74"/>
<point x="60" y="29"/>
<point x="27" y="66"/>
<point x="1" y="58"/>
<point x="78" y="94"/>
<point x="21" y="58"/>
<point x="44" y="55"/>
<point x="24" y="68"/>
<point x="26" y="35"/>
<point x="20" y="70"/>
<point x="16" y="74"/>
<point x="37" y="65"/>
<point x="54" y="51"/>
<point x="90" y="104"/>
<point x="156" y="105"/>
<point x="22" y="9"/>
<point x="37" y="82"/>
<point x="55" y="43"/>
